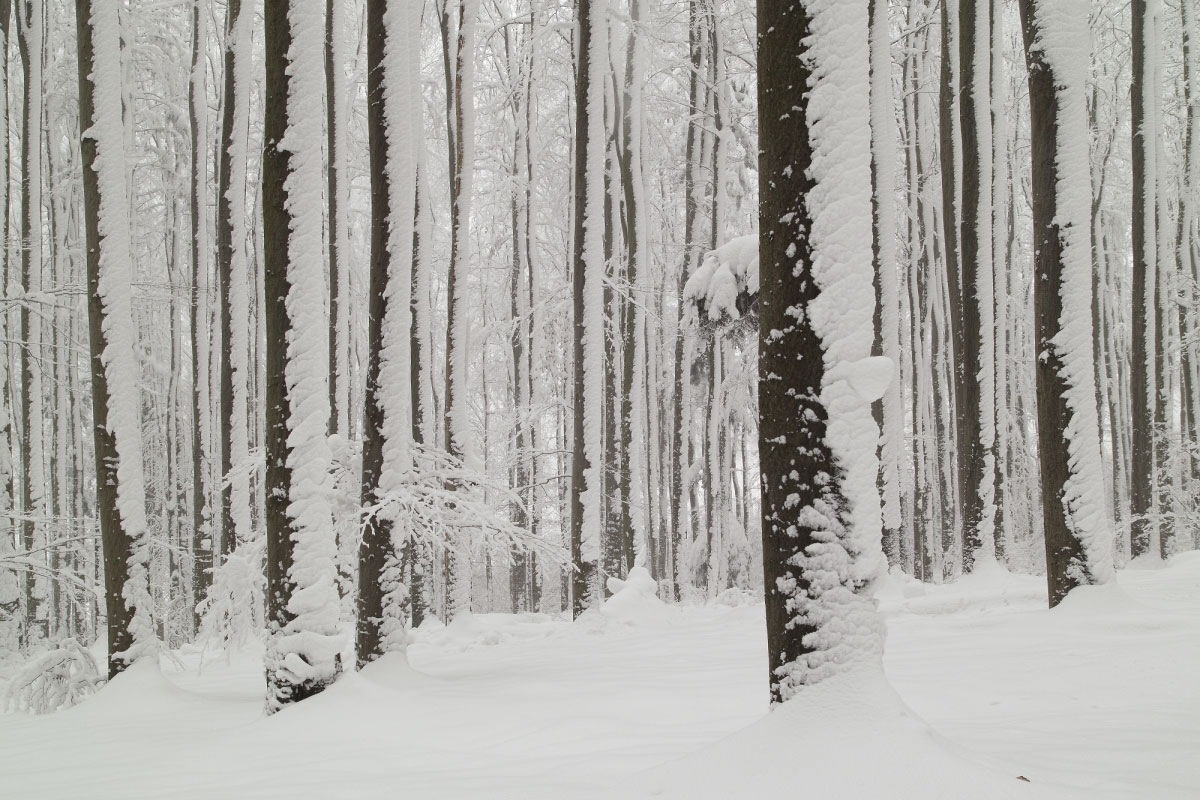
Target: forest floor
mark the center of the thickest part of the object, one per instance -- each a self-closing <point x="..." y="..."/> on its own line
<point x="1099" y="698"/>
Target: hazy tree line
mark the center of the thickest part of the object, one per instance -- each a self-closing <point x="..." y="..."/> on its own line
<point x="347" y="315"/>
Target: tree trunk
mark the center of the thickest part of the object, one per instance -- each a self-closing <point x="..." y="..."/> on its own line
<point x="120" y="492"/>
<point x="976" y="429"/>
<point x="393" y="116"/>
<point x="1078" y="539"/>
<point x="202" y="549"/>
<point x="587" y="280"/>
<point x="303" y="638"/>
<point x="1143" y="383"/>
<point x="814" y="247"/>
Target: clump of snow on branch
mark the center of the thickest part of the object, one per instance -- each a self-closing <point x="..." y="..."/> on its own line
<point x="1065" y="41"/>
<point x="58" y="678"/>
<point x="724" y="287"/>
<point x="231" y="613"/>
<point x="446" y="504"/>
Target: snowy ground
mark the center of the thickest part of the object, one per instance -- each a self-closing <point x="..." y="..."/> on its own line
<point x="1097" y="699"/>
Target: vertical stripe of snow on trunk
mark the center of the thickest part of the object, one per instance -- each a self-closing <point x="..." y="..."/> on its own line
<point x="116" y="296"/>
<point x="402" y="118"/>
<point x="842" y="313"/>
<point x="1064" y="39"/>
<point x="307" y="646"/>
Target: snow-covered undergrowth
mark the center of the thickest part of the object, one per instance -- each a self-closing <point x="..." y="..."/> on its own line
<point x="1096" y="699"/>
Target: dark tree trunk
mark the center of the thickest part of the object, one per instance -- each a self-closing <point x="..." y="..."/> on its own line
<point x="681" y="444"/>
<point x="1143" y="377"/>
<point x="116" y="542"/>
<point x="331" y="101"/>
<point x="375" y="549"/>
<point x="202" y="550"/>
<point x="1066" y="562"/>
<point x="966" y="302"/>
<point x="792" y="421"/>
<point x="225" y="250"/>
<point x="584" y="578"/>
<point x="280" y="222"/>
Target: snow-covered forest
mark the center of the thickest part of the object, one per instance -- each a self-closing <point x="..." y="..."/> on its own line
<point x="600" y="398"/>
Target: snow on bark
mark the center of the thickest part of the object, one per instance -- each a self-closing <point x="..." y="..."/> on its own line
<point x="458" y="427"/>
<point x="848" y="626"/>
<point x="402" y="112"/>
<point x="821" y="514"/>
<point x="305" y="649"/>
<point x="883" y="153"/>
<point x="1000" y="188"/>
<point x="981" y="90"/>
<point x="116" y="295"/>
<point x="593" y="266"/>
<point x="9" y="584"/>
<point x="1064" y="39"/>
<point x="239" y="305"/>
<point x="33" y="477"/>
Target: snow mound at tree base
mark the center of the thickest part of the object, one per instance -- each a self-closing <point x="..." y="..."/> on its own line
<point x="851" y="737"/>
<point x="634" y="601"/>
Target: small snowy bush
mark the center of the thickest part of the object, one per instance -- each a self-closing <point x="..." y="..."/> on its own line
<point x="58" y="678"/>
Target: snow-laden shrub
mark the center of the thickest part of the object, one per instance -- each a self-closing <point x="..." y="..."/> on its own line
<point x="58" y="678"/>
<point x="231" y="614"/>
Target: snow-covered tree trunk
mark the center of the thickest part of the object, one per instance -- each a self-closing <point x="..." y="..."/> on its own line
<point x="233" y="277"/>
<point x="1001" y="192"/>
<point x="976" y="444"/>
<point x="888" y="411"/>
<point x="632" y="412"/>
<point x="1078" y="535"/>
<point x="1143" y="383"/>
<point x="120" y="490"/>
<point x="302" y="599"/>
<point x="817" y="439"/>
<point x="30" y="18"/>
<point x="335" y="137"/>
<point x="587" y="279"/>
<point x="458" y="329"/>
<point x="419" y="557"/>
<point x="10" y="588"/>
<point x="681" y="408"/>
<point x="202" y="543"/>
<point x="520" y="67"/>
<point x="394" y="123"/>
<point x="1189" y="238"/>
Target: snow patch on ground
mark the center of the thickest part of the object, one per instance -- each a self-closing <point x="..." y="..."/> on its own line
<point x="1095" y="699"/>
